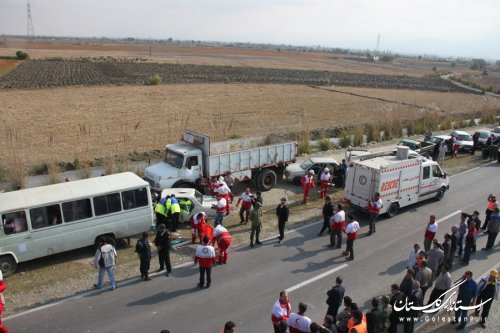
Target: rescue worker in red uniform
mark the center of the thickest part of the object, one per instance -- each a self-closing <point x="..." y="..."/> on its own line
<point x="337" y="225"/>
<point x="307" y="184"/>
<point x="430" y="233"/>
<point x="373" y="207"/>
<point x="223" y="239"/>
<point x="205" y="256"/>
<point x="246" y="205"/>
<point x="281" y="311"/>
<point x="224" y="191"/>
<point x="3" y="286"/>
<point x="299" y="322"/>
<point x="325" y="180"/>
<point x="197" y="223"/>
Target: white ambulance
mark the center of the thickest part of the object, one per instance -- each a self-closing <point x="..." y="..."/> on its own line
<point x="400" y="181"/>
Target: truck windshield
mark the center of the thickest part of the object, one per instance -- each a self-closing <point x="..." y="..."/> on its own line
<point x="174" y="159"/>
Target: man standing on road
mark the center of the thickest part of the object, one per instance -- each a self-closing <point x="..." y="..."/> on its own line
<point x="281" y="311"/>
<point x="143" y="250"/>
<point x="470" y="239"/>
<point x="493" y="229"/>
<point x="424" y="277"/>
<point x="430" y="233"/>
<point x="327" y="215"/>
<point x="105" y="258"/>
<point x="307" y="184"/>
<point x="443" y="283"/>
<point x="325" y="180"/>
<point x="256" y="220"/>
<point x="205" y="256"/>
<point x="492" y="203"/>
<point x="335" y="296"/>
<point x="299" y="322"/>
<point x="223" y="239"/>
<point x="282" y="214"/>
<point x="487" y="290"/>
<point x="246" y="204"/>
<point x="351" y="231"/>
<point x="435" y="258"/>
<point x="467" y="292"/>
<point x="374" y="206"/>
<point x="162" y="243"/>
<point x="337" y="226"/>
<point x="454" y="237"/>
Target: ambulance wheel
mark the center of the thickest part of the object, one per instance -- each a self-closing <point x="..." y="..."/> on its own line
<point x="8" y="265"/>
<point x="266" y="180"/>
<point x="393" y="210"/>
<point x="440" y="194"/>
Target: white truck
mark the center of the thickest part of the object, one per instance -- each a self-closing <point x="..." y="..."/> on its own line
<point x="400" y="181"/>
<point x="192" y="162"/>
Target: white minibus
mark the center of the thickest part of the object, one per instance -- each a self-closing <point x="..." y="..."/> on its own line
<point x="41" y="221"/>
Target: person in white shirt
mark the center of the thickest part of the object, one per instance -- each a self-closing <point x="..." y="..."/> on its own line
<point x="299" y="322"/>
<point x="412" y="259"/>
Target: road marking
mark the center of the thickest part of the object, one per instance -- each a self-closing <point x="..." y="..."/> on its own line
<point x="300" y="285"/>
<point x="448" y="216"/>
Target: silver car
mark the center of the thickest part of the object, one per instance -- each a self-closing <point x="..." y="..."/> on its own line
<point x="294" y="172"/>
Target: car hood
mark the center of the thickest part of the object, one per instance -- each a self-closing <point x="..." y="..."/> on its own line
<point x="160" y="171"/>
<point x="466" y="143"/>
<point x="295" y="169"/>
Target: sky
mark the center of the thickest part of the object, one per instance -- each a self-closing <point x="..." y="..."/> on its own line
<point x="460" y="28"/>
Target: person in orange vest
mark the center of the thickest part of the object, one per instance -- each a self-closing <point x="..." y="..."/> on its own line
<point x="281" y="311"/>
<point x="325" y="180"/>
<point x="197" y="224"/>
<point x="229" y="327"/>
<point x="307" y="184"/>
<point x="373" y="207"/>
<point x="430" y="233"/>
<point x="223" y="239"/>
<point x="358" y="322"/>
<point x="492" y="203"/>
<point x="351" y="231"/>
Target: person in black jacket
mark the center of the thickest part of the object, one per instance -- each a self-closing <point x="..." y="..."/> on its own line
<point x="162" y="242"/>
<point x="327" y="214"/>
<point x="282" y="213"/>
<point x="335" y="296"/>
<point x="143" y="251"/>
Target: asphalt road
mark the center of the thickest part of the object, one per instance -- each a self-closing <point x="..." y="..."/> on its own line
<point x="245" y="289"/>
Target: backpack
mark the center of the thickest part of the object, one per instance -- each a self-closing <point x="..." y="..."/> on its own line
<point x="105" y="257"/>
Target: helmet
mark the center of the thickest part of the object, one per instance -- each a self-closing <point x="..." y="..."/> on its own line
<point x="494" y="273"/>
<point x="326" y="170"/>
<point x="311" y="172"/>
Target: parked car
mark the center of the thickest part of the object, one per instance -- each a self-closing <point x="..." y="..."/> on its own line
<point x="483" y="137"/>
<point x="465" y="140"/>
<point x="437" y="139"/>
<point x="496" y="132"/>
<point x="295" y="171"/>
<point x="417" y="146"/>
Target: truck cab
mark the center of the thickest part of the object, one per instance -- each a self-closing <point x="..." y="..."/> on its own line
<point x="181" y="167"/>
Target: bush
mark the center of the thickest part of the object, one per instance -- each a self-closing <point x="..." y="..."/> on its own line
<point x="488" y="116"/>
<point x="304" y="146"/>
<point x="372" y="133"/>
<point x="345" y="139"/>
<point x="154" y="80"/>
<point x="20" y="55"/>
<point x="325" y="144"/>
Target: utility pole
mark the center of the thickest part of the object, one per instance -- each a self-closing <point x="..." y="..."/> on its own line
<point x="149" y="48"/>
<point x="377" y="51"/>
<point x="30" y="30"/>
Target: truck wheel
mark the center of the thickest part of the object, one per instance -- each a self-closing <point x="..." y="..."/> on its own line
<point x="266" y="180"/>
<point x="393" y="210"/>
<point x="440" y="194"/>
<point x="8" y="265"/>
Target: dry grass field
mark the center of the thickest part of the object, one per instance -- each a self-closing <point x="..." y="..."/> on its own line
<point x="7" y="65"/>
<point x="64" y="124"/>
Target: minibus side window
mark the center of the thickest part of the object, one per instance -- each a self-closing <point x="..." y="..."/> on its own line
<point x="106" y="204"/>
<point x="47" y="216"/>
<point x="135" y="198"/>
<point x="77" y="210"/>
<point x="14" y="222"/>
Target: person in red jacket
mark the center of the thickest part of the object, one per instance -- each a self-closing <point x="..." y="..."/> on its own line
<point x="373" y="207"/>
<point x="337" y="225"/>
<point x="325" y="180"/>
<point x="307" y="184"/>
<point x="223" y="239"/>
<point x="3" y="286"/>
<point x="197" y="223"/>
<point x="430" y="233"/>
<point x="351" y="231"/>
<point x="281" y="311"/>
<point x="205" y="256"/>
<point x="299" y="322"/>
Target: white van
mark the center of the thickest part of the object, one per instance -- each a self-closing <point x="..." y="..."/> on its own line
<point x="41" y="221"/>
